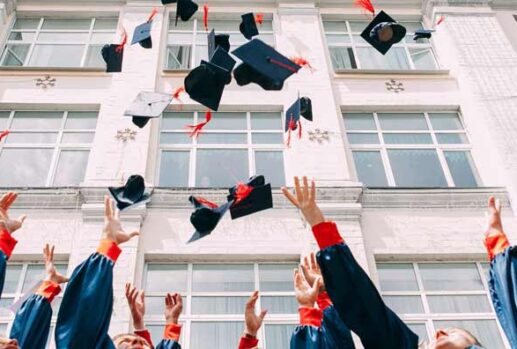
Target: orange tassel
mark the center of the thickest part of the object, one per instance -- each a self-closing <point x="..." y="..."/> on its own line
<point x="291" y="127"/>
<point x="196" y="129"/>
<point x="123" y="43"/>
<point x="3" y="134"/>
<point x="259" y="18"/>
<point x="302" y="62"/>
<point x="205" y="16"/>
<point x="153" y="13"/>
<point x="205" y="202"/>
<point x="366" y="5"/>
<point x="242" y="192"/>
<point x="440" y="20"/>
<point x="177" y="92"/>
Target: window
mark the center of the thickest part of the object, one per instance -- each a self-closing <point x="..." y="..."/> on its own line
<point x="52" y="42"/>
<point x="214" y="298"/>
<point x="232" y="147"/>
<point x="21" y="278"/>
<point x="349" y="51"/>
<point x="45" y="148"/>
<point x="410" y="149"/>
<point x="187" y="43"/>
<point x="430" y="296"/>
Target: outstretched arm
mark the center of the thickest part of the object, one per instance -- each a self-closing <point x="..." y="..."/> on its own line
<point x="253" y="322"/>
<point x="136" y="302"/>
<point x="172" y="332"/>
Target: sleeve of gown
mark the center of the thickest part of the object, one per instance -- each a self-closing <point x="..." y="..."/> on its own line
<point x="7" y="244"/>
<point x="247" y="343"/>
<point x="171" y="337"/>
<point x="309" y="335"/>
<point x="336" y="333"/>
<point x="32" y="322"/>
<point x="85" y="313"/>
<point x="145" y="335"/>
<point x="355" y="297"/>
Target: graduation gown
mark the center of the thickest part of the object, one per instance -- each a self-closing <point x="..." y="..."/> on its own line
<point x="503" y="283"/>
<point x="32" y="322"/>
<point x="171" y="337"/>
<point x="248" y="342"/>
<point x="7" y="244"/>
<point x="355" y="297"/>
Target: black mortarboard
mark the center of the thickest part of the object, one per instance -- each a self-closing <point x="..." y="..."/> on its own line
<point x="165" y="2"/>
<point x="185" y="9"/>
<point x="248" y="26"/>
<point x="148" y="105"/>
<point x="423" y="34"/>
<point x="206" y="216"/>
<point x="113" y="56"/>
<point x="217" y="40"/>
<point x="379" y="23"/>
<point x="131" y="194"/>
<point x="302" y="107"/>
<point x="263" y="65"/>
<point x="222" y="58"/>
<point x="260" y="198"/>
<point x="142" y="35"/>
<point x="205" y="84"/>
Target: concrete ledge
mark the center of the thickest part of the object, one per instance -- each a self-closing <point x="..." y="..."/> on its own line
<point x="342" y="73"/>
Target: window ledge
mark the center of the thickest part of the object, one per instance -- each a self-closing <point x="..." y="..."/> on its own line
<point x="342" y="72"/>
<point x="175" y="72"/>
<point x="52" y="70"/>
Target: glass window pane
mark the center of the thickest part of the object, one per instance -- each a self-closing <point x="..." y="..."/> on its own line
<point x="4" y="119"/>
<point x="56" y="56"/>
<point x="358" y="26"/>
<point x="94" y="57"/>
<point x="423" y="58"/>
<point x="370" y="169"/>
<point x="452" y="138"/>
<point x="395" y="59"/>
<point x="280" y="305"/>
<point x="34" y="274"/>
<point x="342" y="58"/>
<point x="446" y="121"/>
<point x="105" y="24"/>
<point x="24" y="167"/>
<point x="336" y="41"/>
<point x="223" y="138"/>
<point x="461" y="166"/>
<point x="276" y="277"/>
<point x="81" y="120"/>
<point x="267" y="138"/>
<point x="420" y="330"/>
<point x="55" y="23"/>
<point x="403" y="121"/>
<point x="218" y="305"/>
<point x="335" y="26"/>
<point x="226" y="121"/>
<point x="362" y="138"/>
<point x="176" y="121"/>
<point x="174" y="168"/>
<point x="71" y="167"/>
<point x="407" y="138"/>
<point x="279" y="336"/>
<point x="271" y="165"/>
<point x="3" y="330"/>
<point x="22" y="36"/>
<point x="210" y="335"/>
<point x="189" y="25"/>
<point x="54" y="37"/>
<point x="28" y="120"/>
<point x="14" y="55"/>
<point x="175" y="138"/>
<point x="5" y="303"/>
<point x="77" y="137"/>
<point x="26" y="23"/>
<point x="221" y="167"/>
<point x="155" y="305"/>
<point x="411" y="27"/>
<point x="459" y="304"/>
<point x="266" y="121"/>
<point x="405" y="304"/>
<point x="450" y="276"/>
<point x="485" y="331"/>
<point x="222" y="278"/>
<point x="31" y="137"/>
<point x="178" y="56"/>
<point x="416" y="168"/>
<point x="397" y="277"/>
<point x="201" y="52"/>
<point x="166" y="277"/>
<point x="359" y="121"/>
<point x="12" y="276"/>
<point x="102" y="38"/>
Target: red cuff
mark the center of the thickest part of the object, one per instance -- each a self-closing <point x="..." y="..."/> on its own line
<point x="323" y="300"/>
<point x="49" y="290"/>
<point x="109" y="248"/>
<point x="248" y="343"/>
<point x="326" y="234"/>
<point x="495" y="244"/>
<point x="145" y="335"/>
<point x="7" y="242"/>
<point x="310" y="316"/>
<point x="172" y="331"/>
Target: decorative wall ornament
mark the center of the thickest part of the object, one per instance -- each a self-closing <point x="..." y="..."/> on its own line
<point x="126" y="135"/>
<point x="46" y="82"/>
<point x="318" y="135"/>
<point x="394" y="86"/>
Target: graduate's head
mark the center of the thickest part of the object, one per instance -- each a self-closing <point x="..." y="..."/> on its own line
<point x="454" y="338"/>
<point x="6" y="343"/>
<point x="130" y="341"/>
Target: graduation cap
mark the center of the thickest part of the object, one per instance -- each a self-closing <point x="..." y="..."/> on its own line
<point x="222" y="58"/>
<point x="147" y="105"/>
<point x="142" y="35"/>
<point x="205" y="84"/>
<point x="248" y="26"/>
<point x="217" y="40"/>
<point x="302" y="107"/>
<point x="423" y="34"/>
<point x="206" y="216"/>
<point x="185" y="9"/>
<point x="131" y="194"/>
<point x="249" y="198"/>
<point x="113" y="55"/>
<point x="166" y="2"/>
<point x="383" y="32"/>
<point x="263" y="65"/>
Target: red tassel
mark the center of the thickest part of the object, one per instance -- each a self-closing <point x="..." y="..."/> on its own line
<point x="290" y="127"/>
<point x="205" y="16"/>
<point x="123" y="43"/>
<point x="366" y="5"/>
<point x="177" y="92"/>
<point x="196" y="129"/>
<point x="3" y="134"/>
<point x="440" y="20"/>
<point x="242" y="192"/>
<point x="205" y="202"/>
<point x="299" y="129"/>
<point x="302" y="62"/>
<point x="283" y="65"/>
<point x="153" y="13"/>
<point x="259" y="18"/>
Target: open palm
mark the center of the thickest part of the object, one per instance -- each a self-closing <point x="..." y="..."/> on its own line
<point x="50" y="269"/>
<point x="495" y="224"/>
<point x="253" y="321"/>
<point x="311" y="270"/>
<point x="305" y="294"/>
<point x="112" y="228"/>
<point x="6" y="222"/>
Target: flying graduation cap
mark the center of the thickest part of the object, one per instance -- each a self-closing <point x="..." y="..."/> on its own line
<point x="251" y="197"/>
<point x="185" y="9"/>
<point x="302" y="107"/>
<point x="131" y="194"/>
<point x="206" y="216"/>
<point x="113" y="55"/>
<point x="248" y="26"/>
<point x="423" y="34"/>
<point x="383" y="32"/>
<point x="263" y="65"/>
<point x="166" y="2"/>
<point x="142" y="33"/>
<point x="217" y="40"/>
<point x="147" y="105"/>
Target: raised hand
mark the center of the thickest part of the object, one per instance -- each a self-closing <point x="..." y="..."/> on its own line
<point x="11" y="225"/>
<point x="173" y="308"/>
<point x="305" y="200"/>
<point x="495" y="225"/>
<point x="6" y="343"/>
<point x="253" y="321"/>
<point x="136" y="301"/>
<point x="305" y="294"/>
<point x="50" y="268"/>
<point x="112" y="229"/>
<point x="311" y="270"/>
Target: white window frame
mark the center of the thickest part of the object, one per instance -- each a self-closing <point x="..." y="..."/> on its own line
<point x="383" y="147"/>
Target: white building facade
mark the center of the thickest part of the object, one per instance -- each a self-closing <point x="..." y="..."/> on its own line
<point x="405" y="150"/>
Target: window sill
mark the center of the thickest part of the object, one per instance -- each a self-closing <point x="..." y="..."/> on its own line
<point x="52" y="70"/>
<point x="340" y="73"/>
<point x="175" y="72"/>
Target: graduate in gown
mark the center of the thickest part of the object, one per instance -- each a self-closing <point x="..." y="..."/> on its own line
<point x="253" y="322"/>
<point x="503" y="272"/>
<point x="32" y="322"/>
<point x="354" y="295"/>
